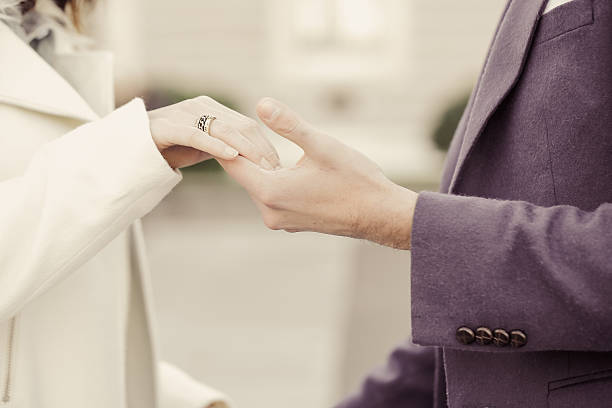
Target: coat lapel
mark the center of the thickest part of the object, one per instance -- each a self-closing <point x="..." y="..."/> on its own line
<point x="501" y="71"/>
<point x="26" y="80"/>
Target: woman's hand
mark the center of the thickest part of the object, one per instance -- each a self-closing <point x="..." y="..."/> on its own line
<point x="333" y="189"/>
<point x="231" y="134"/>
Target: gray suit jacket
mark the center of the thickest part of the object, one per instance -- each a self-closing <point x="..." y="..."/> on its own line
<point x="512" y="262"/>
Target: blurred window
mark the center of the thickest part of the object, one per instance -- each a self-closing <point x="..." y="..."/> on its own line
<point x="338" y="23"/>
<point x="348" y="40"/>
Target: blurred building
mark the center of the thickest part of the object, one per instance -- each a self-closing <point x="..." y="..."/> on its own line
<point x="273" y="318"/>
<point x="372" y="72"/>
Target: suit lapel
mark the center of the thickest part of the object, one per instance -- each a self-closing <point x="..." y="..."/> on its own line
<point x="26" y="80"/>
<point x="501" y="71"/>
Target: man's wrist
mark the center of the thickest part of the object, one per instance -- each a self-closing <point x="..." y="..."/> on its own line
<point x="389" y="217"/>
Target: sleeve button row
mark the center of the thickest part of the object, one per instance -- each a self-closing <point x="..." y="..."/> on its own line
<point x="484" y="336"/>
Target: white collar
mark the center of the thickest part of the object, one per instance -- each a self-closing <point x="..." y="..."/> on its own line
<point x="26" y="80"/>
<point x="553" y="4"/>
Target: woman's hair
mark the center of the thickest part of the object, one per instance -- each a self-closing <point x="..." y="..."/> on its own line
<point x="74" y="6"/>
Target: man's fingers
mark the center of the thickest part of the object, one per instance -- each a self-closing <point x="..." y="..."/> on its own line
<point x="284" y="121"/>
<point x="193" y="137"/>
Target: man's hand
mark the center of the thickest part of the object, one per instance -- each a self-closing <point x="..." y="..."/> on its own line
<point x="182" y="144"/>
<point x="333" y="189"/>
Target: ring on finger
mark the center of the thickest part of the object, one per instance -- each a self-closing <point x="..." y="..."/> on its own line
<point x="203" y="123"/>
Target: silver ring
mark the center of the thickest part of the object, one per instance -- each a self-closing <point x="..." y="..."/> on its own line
<point x="203" y="123"/>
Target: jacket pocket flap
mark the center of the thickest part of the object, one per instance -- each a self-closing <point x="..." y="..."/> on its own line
<point x="596" y="376"/>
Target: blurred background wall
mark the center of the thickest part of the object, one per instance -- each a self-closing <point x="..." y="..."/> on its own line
<point x="276" y="319"/>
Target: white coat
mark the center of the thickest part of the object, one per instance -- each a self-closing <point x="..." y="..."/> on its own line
<point x="76" y="326"/>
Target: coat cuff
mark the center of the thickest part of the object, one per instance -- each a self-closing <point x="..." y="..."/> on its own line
<point x="512" y="266"/>
<point x="179" y="390"/>
<point x="448" y="260"/>
<point x="138" y="163"/>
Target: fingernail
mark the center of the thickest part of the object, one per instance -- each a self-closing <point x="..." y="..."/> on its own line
<point x="266" y="164"/>
<point x="268" y="109"/>
<point x="231" y="152"/>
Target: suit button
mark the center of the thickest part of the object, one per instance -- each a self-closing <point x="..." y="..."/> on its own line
<point x="501" y="337"/>
<point x="517" y="338"/>
<point x="465" y="335"/>
<point x="484" y="336"/>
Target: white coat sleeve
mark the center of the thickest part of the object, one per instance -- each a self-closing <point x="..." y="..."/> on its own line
<point x="77" y="194"/>
<point x="179" y="390"/>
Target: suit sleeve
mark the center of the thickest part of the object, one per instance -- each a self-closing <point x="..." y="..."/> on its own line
<point x="76" y="195"/>
<point x="511" y="265"/>
<point x="179" y="390"/>
<point x="408" y="379"/>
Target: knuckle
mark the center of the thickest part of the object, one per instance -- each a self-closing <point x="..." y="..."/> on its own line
<point x="268" y="196"/>
<point x="272" y="156"/>
<point x="155" y="125"/>
<point x="328" y="143"/>
<point x="193" y="138"/>
<point x="249" y="150"/>
<point x="222" y="128"/>
<point x="287" y="124"/>
<point x="272" y="220"/>
<point x="203" y="99"/>
<point x="250" y="126"/>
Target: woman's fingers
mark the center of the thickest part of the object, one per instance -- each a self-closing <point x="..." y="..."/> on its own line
<point x="247" y="174"/>
<point x="192" y="137"/>
<point x="230" y="135"/>
<point x="248" y="127"/>
<point x="241" y="133"/>
<point x="261" y="141"/>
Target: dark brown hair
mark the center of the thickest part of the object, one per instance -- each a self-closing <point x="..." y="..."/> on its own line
<point x="74" y="5"/>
